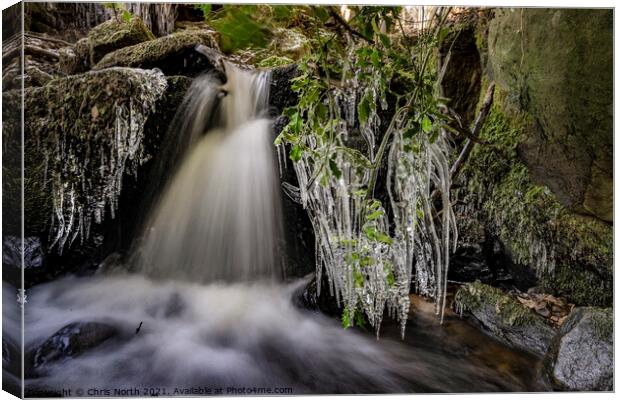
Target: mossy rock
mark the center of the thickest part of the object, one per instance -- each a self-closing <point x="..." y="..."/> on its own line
<point x="78" y="143"/>
<point x="174" y="54"/>
<point x="116" y="34"/>
<point x="581" y="354"/>
<point x="571" y="254"/>
<point x="505" y="317"/>
<point x="557" y="66"/>
<point x="62" y="112"/>
<point x="583" y="271"/>
<point x="76" y="59"/>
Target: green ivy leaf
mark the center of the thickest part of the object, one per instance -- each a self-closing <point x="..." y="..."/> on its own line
<point x="363" y="110"/>
<point x="359" y="319"/>
<point x="359" y="279"/>
<point x="126" y="16"/>
<point x="321" y="111"/>
<point x="375" y="215"/>
<point x="346" y="318"/>
<point x="385" y="40"/>
<point x="383" y="238"/>
<point x="427" y="124"/>
<point x="370" y="232"/>
<point x="390" y="278"/>
<point x="295" y="153"/>
<point x="333" y="166"/>
<point x="375" y="58"/>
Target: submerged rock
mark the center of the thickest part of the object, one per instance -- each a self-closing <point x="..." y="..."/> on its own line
<point x="174" y="54"/>
<point x="581" y="355"/>
<point x="308" y="298"/>
<point x="116" y="34"/>
<point x="72" y="341"/>
<point x="505" y="317"/>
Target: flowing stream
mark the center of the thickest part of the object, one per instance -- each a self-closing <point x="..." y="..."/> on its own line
<point x="206" y="308"/>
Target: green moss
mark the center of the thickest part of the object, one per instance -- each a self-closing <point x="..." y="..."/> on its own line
<point x="603" y="322"/>
<point x="274" y="61"/>
<point x="572" y="254"/>
<point x="148" y="53"/>
<point x="115" y="34"/>
<point x="476" y="296"/>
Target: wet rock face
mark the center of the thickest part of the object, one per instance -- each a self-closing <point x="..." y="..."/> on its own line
<point x="87" y="104"/>
<point x="138" y="195"/>
<point x="505" y="317"/>
<point x="72" y="340"/>
<point x="463" y="70"/>
<point x="581" y="354"/>
<point x="558" y="67"/>
<point x="280" y="93"/>
<point x="298" y="231"/>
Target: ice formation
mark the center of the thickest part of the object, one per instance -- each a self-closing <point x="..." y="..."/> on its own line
<point x="370" y="260"/>
<point x="90" y="142"/>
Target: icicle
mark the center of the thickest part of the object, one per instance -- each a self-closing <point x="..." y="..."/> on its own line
<point x="116" y="145"/>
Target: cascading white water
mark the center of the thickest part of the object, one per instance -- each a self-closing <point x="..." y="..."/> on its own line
<point x="220" y="216"/>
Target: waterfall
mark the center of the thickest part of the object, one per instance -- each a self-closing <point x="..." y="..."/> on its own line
<point x="205" y="312"/>
<point x="219" y="218"/>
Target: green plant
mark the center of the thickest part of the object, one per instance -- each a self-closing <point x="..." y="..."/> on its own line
<point x="125" y="14"/>
<point x="368" y="101"/>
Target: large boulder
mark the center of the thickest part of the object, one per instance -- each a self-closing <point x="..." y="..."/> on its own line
<point x="505" y="317"/>
<point x="115" y="34"/>
<point x="174" y="54"/>
<point x="87" y="114"/>
<point x="557" y="66"/>
<point x="567" y="253"/>
<point x="581" y="355"/>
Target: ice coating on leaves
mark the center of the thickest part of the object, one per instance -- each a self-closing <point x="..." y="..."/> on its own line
<point x="90" y="134"/>
<point x="367" y="260"/>
<point x="422" y="233"/>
